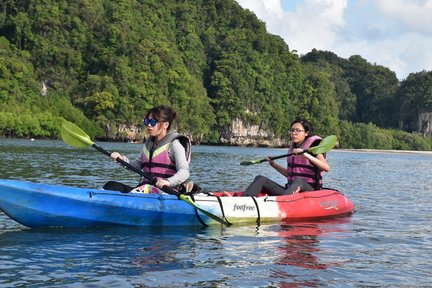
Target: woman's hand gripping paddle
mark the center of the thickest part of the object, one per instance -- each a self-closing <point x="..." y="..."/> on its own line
<point x="325" y="145"/>
<point x="74" y="136"/>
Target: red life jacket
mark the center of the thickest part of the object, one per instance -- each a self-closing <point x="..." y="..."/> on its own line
<point x="300" y="167"/>
<point x="155" y="157"/>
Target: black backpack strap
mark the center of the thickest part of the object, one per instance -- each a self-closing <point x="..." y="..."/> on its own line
<point x="222" y="210"/>
<point x="197" y="215"/>
<point x="258" y="221"/>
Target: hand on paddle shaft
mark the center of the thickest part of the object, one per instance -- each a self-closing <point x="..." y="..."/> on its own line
<point x="76" y="137"/>
<point x="325" y="145"/>
<point x="158" y="182"/>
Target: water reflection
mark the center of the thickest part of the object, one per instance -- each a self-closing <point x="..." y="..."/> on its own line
<point x="300" y="246"/>
<point x="301" y="242"/>
<point x="151" y="256"/>
<point x="44" y="257"/>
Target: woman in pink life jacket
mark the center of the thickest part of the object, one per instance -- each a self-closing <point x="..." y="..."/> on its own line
<point x="166" y="155"/>
<point x="304" y="170"/>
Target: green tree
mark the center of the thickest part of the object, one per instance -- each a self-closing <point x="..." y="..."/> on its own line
<point x="414" y="97"/>
<point x="375" y="87"/>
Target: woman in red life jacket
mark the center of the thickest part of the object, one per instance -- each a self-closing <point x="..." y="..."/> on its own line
<point x="304" y="170"/>
<point x="166" y="155"/>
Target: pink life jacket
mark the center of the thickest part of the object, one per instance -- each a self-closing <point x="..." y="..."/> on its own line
<point x="155" y="158"/>
<point x="300" y="167"/>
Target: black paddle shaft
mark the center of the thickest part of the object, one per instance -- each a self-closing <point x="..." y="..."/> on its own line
<point x="133" y="168"/>
<point x="282" y="156"/>
<point x="278" y="157"/>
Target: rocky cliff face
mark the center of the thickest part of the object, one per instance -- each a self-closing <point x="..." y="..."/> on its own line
<point x="236" y="134"/>
<point x="124" y="133"/>
<point x="243" y="134"/>
<point x="425" y="124"/>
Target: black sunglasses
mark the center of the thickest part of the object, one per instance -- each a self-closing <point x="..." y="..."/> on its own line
<point x="152" y="122"/>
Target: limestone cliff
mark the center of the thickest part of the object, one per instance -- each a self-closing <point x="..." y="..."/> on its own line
<point x="236" y="134"/>
<point x="425" y="124"/>
<point x="243" y="134"/>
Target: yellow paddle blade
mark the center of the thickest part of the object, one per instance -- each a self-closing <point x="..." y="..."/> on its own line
<point x="74" y="136"/>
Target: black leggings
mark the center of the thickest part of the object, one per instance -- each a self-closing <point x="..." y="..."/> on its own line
<point x="271" y="188"/>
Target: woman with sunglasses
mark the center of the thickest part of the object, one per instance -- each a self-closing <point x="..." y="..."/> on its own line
<point x="166" y="154"/>
<point x="304" y="171"/>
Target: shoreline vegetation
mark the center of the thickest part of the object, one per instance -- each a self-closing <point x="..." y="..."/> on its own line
<point x="377" y="151"/>
<point x="343" y="150"/>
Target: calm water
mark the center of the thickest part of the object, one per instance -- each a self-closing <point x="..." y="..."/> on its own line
<point x="386" y="243"/>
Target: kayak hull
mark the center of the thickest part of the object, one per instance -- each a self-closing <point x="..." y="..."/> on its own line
<point x="41" y="205"/>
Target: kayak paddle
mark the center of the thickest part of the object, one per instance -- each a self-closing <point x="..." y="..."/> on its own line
<point x="325" y="145"/>
<point x="76" y="137"/>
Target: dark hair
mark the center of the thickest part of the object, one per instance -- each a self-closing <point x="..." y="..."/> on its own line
<point x="163" y="113"/>
<point x="306" y="125"/>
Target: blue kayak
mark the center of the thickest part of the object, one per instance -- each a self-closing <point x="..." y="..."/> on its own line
<point x="41" y="205"/>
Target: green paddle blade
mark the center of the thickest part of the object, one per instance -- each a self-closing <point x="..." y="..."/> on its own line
<point x="250" y="162"/>
<point x="74" y="136"/>
<point x="326" y="145"/>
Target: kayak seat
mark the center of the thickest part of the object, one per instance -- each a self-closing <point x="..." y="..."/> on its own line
<point x="190" y="188"/>
<point x="117" y="186"/>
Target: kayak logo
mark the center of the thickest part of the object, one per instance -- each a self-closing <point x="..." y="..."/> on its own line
<point x="243" y="208"/>
<point x="329" y="204"/>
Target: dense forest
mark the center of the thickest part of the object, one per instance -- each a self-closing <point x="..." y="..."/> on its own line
<point x="103" y="63"/>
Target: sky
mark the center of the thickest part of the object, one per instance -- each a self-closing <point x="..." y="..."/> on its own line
<point x="396" y="34"/>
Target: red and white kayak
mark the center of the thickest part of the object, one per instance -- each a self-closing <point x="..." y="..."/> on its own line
<point x="320" y="204"/>
<point x="42" y="205"/>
